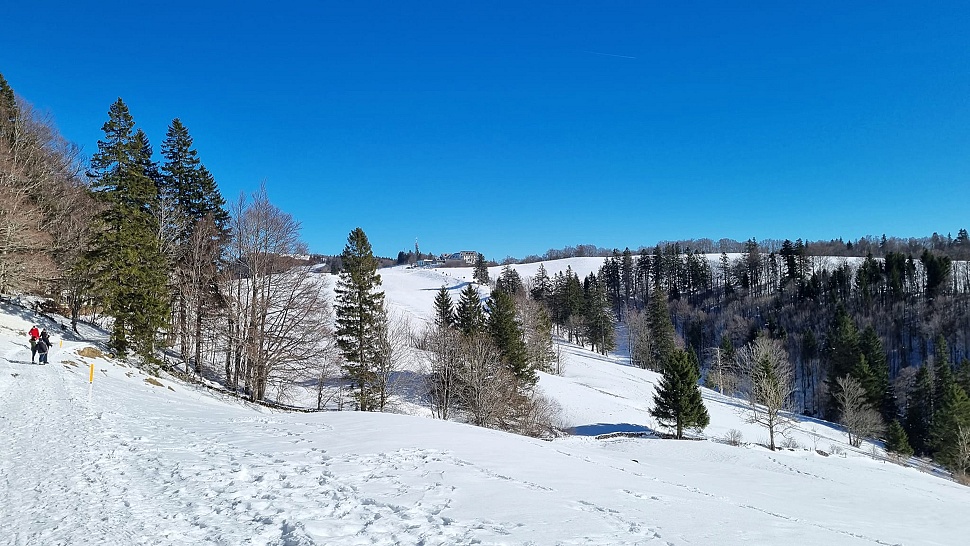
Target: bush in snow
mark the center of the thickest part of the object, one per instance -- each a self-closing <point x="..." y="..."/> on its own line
<point x="734" y="437"/>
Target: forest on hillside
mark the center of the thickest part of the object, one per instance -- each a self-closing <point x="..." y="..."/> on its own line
<point x="896" y="322"/>
<point x="146" y="243"/>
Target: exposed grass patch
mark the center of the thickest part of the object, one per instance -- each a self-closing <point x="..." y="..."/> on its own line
<point x="90" y="352"/>
<point x="153" y="381"/>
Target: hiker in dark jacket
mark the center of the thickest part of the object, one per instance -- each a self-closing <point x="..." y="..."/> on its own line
<point x="42" y="349"/>
<point x="33" y="349"/>
<point x="46" y="337"/>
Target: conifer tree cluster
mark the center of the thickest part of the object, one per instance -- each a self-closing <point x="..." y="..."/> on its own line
<point x="484" y="357"/>
<point x="581" y="310"/>
<point x="156" y="243"/>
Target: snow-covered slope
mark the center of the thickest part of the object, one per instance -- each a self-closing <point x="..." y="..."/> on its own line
<point x="124" y="461"/>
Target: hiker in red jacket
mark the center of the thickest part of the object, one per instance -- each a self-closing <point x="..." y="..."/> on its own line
<point x="34" y="337"/>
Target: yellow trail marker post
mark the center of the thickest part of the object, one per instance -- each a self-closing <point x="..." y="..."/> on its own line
<point x="91" y="376"/>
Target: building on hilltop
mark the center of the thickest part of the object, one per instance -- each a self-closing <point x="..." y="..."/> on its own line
<point x="467" y="256"/>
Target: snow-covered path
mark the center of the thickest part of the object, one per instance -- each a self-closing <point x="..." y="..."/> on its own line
<point x="84" y="463"/>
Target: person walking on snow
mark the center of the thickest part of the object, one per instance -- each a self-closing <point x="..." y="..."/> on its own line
<point x="46" y="337"/>
<point x="33" y="348"/>
<point x="34" y="332"/>
<point x="42" y="349"/>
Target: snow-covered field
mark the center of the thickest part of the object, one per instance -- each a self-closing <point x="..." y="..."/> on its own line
<point x="123" y="461"/>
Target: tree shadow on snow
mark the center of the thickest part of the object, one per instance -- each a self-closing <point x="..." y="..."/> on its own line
<point x="600" y="429"/>
<point x="456" y="288"/>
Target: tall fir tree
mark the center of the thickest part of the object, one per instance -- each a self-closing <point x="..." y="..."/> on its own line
<point x="469" y="316"/>
<point x="597" y="310"/>
<point x="951" y="422"/>
<point x="130" y="270"/>
<point x="574" y="292"/>
<point x="919" y="411"/>
<point x="662" y="345"/>
<point x="186" y="183"/>
<point x="361" y="318"/>
<point x="879" y="390"/>
<point x="962" y="376"/>
<point x="198" y="222"/>
<point x="541" y="289"/>
<point x="897" y="442"/>
<point x="942" y="372"/>
<point x="444" y="309"/>
<point x="506" y="332"/>
<point x="678" y="403"/>
<point x="627" y="274"/>
<point x="509" y="281"/>
<point x="481" y="271"/>
<point x="842" y="357"/>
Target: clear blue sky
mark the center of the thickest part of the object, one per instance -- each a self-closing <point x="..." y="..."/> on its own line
<point x="515" y="127"/>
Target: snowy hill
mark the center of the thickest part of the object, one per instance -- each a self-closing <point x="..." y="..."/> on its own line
<point x="124" y="460"/>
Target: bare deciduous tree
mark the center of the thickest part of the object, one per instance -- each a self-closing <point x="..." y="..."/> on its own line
<point x="198" y="290"/>
<point x="638" y="337"/>
<point x="488" y="386"/>
<point x="960" y="462"/>
<point x="37" y="169"/>
<point x="768" y="384"/>
<point x="445" y="358"/>
<point x="393" y="348"/>
<point x="277" y="318"/>
<point x="856" y="414"/>
<point x="720" y="372"/>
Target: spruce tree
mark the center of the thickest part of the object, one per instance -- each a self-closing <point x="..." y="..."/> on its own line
<point x="662" y="345"/>
<point x="507" y="334"/>
<point x="129" y="267"/>
<point x="678" y="403"/>
<point x="879" y="390"/>
<point x="186" y="182"/>
<point x="541" y="285"/>
<point x="950" y="422"/>
<point x="481" y="271"/>
<point x="897" y="442"/>
<point x="444" y="309"/>
<point x="842" y="357"/>
<point x="361" y="318"/>
<point x="470" y="317"/>
<point x="600" y="326"/>
<point x="509" y="282"/>
<point x="574" y="300"/>
<point x="962" y="377"/>
<point x="198" y="224"/>
<point x="627" y="274"/>
<point x="942" y="372"/>
<point x="919" y="411"/>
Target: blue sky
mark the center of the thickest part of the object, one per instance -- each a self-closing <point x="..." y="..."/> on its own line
<point x="512" y="128"/>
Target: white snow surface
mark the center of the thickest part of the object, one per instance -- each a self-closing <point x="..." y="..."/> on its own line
<point x="122" y="461"/>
